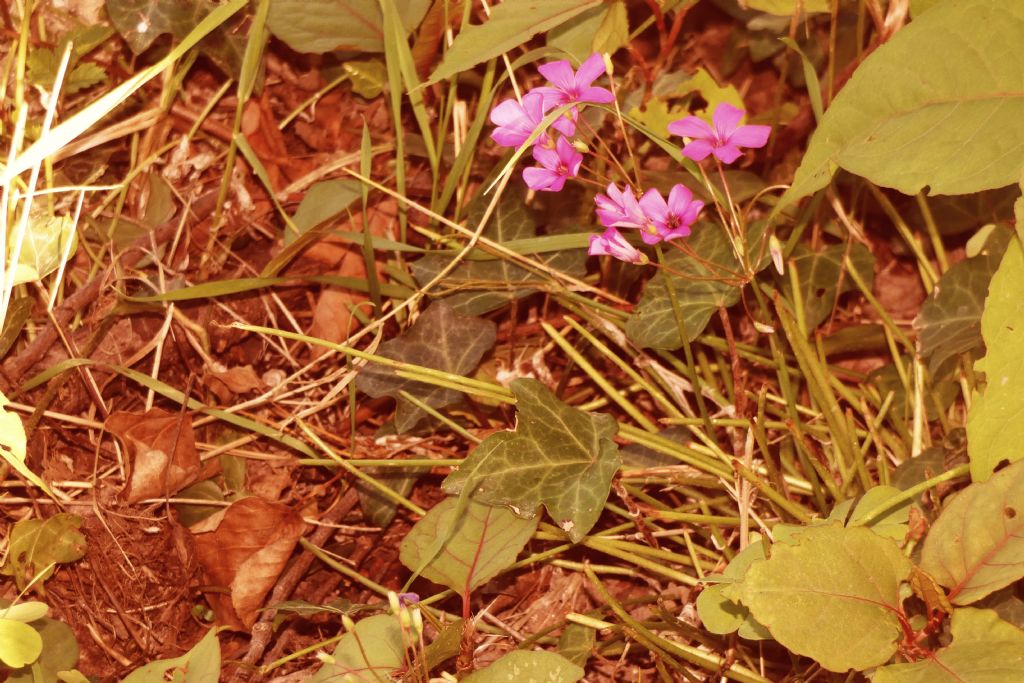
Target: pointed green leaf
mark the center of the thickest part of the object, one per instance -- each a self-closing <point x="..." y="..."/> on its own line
<point x="985" y="649"/>
<point x="441" y="339"/>
<point x="994" y="430"/>
<point x="20" y="644"/>
<point x="913" y="115"/>
<point x="950" y="319"/>
<point x="512" y="23"/>
<point x="320" y="26"/>
<point x="38" y="543"/>
<point x="891" y="523"/>
<point x="528" y="667"/>
<point x="322" y="202"/>
<point x="976" y="546"/>
<point x="201" y="664"/>
<point x="833" y="580"/>
<point x="577" y="643"/>
<point x="14" y="445"/>
<point x="822" y="279"/>
<point x="700" y="289"/>
<point x="366" y="654"/>
<point x="722" y="615"/>
<point x="558" y="457"/>
<point x="485" y="541"/>
<point x="476" y="287"/>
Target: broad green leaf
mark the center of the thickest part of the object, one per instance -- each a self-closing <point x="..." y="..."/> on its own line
<point x="832" y="580"/>
<point x="48" y="240"/>
<point x="604" y="28"/>
<point x="511" y="24"/>
<point x="440" y="339"/>
<point x="26" y="611"/>
<point x="558" y="457"/>
<point x="366" y="654"/>
<point x="950" y="319"/>
<point x="39" y="543"/>
<point x="891" y="523"/>
<point x="201" y="664"/>
<point x="913" y="115"/>
<point x="322" y="202"/>
<point x="141" y="22"/>
<point x="994" y="430"/>
<point x="446" y="645"/>
<point x="787" y="8"/>
<point x="528" y="667"/>
<point x="14" y="445"/>
<point x="985" y="649"/>
<point x="20" y="644"/>
<point x="700" y="290"/>
<point x="722" y="615"/>
<point x="60" y="652"/>
<point x="976" y="546"/>
<point x="477" y="287"/>
<point x="822" y="277"/>
<point x="320" y="26"/>
<point x="577" y="643"/>
<point x="485" y="541"/>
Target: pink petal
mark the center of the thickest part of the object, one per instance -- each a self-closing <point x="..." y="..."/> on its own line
<point x="533" y="105"/>
<point x="726" y="118"/>
<point x="653" y="205"/>
<point x="596" y="95"/>
<point x="679" y="199"/>
<point x="590" y="70"/>
<point x="506" y="113"/>
<point x="691" y="127"/>
<point x="681" y="231"/>
<point x="508" y="138"/>
<point x="560" y="73"/>
<point x="650" y="237"/>
<point x="750" y="136"/>
<point x="551" y="97"/>
<point x="698" y="150"/>
<point x="564" y="125"/>
<point x="541" y="178"/>
<point x="727" y="153"/>
<point x="546" y="157"/>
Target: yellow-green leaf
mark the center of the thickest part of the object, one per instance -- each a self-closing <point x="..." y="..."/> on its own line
<point x="38" y="544"/>
<point x="20" y="644"/>
<point x="366" y="654"/>
<point x="14" y="445"/>
<point x="528" y="667"/>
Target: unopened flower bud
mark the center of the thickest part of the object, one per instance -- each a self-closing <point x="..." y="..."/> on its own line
<point x="347" y="622"/>
<point x="580" y="146"/>
<point x="775" y="248"/>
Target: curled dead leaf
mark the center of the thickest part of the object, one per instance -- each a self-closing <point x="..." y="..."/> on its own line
<point x="161" y="449"/>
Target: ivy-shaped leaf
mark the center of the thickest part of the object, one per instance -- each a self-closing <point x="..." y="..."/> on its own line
<point x="822" y="280"/>
<point x="485" y="541"/>
<point x="994" y="428"/>
<point x="366" y="654"/>
<point x="478" y="286"/>
<point x="985" y="649"/>
<point x="141" y="22"/>
<point x="35" y="544"/>
<point x="950" y="319"/>
<point x="558" y="457"/>
<point x="913" y="115"/>
<point x="320" y="26"/>
<point x="831" y="582"/>
<point x="703" y="286"/>
<point x="528" y="667"/>
<point x="976" y="546"/>
<point x="441" y="339"/>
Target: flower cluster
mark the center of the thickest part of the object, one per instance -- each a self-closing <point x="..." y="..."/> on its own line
<point x="655" y="218"/>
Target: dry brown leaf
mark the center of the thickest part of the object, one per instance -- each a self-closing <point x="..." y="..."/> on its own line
<point x="233" y="381"/>
<point x="161" y="449"/>
<point x="244" y="549"/>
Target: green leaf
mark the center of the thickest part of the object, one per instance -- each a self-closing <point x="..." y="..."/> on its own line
<point x="48" y="240"/>
<point x="913" y="115"/>
<point x="720" y="614"/>
<point x="558" y="457"/>
<point x="367" y="76"/>
<point x="366" y="654"/>
<point x="14" y="445"/>
<point x="704" y="289"/>
<point x="950" y="319"/>
<point x="378" y="508"/>
<point x="985" y="649"/>
<point x="822" y="280"/>
<point x="512" y="23"/>
<point x="832" y="580"/>
<point x="141" y="22"/>
<point x="528" y="667"/>
<point x="604" y="28"/>
<point x="976" y="546"/>
<point x="201" y="664"/>
<point x="20" y="644"/>
<point x="446" y="645"/>
<point x="320" y="26"/>
<point x="485" y="541"/>
<point x="322" y="202"/>
<point x="26" y="611"/>
<point x="787" y="8"/>
<point x="577" y="643"/>
<point x="476" y="287"/>
<point x="891" y="523"/>
<point x="440" y="339"/>
<point x="994" y="430"/>
<point x="38" y="543"/>
<point x="60" y="652"/>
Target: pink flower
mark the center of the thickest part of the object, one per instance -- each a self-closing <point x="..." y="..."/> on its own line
<point x="619" y="208"/>
<point x="668" y="220"/>
<point x="611" y="243"/>
<point x="516" y="122"/>
<point x="556" y="165"/>
<point x="572" y="86"/>
<point x="724" y="139"/>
